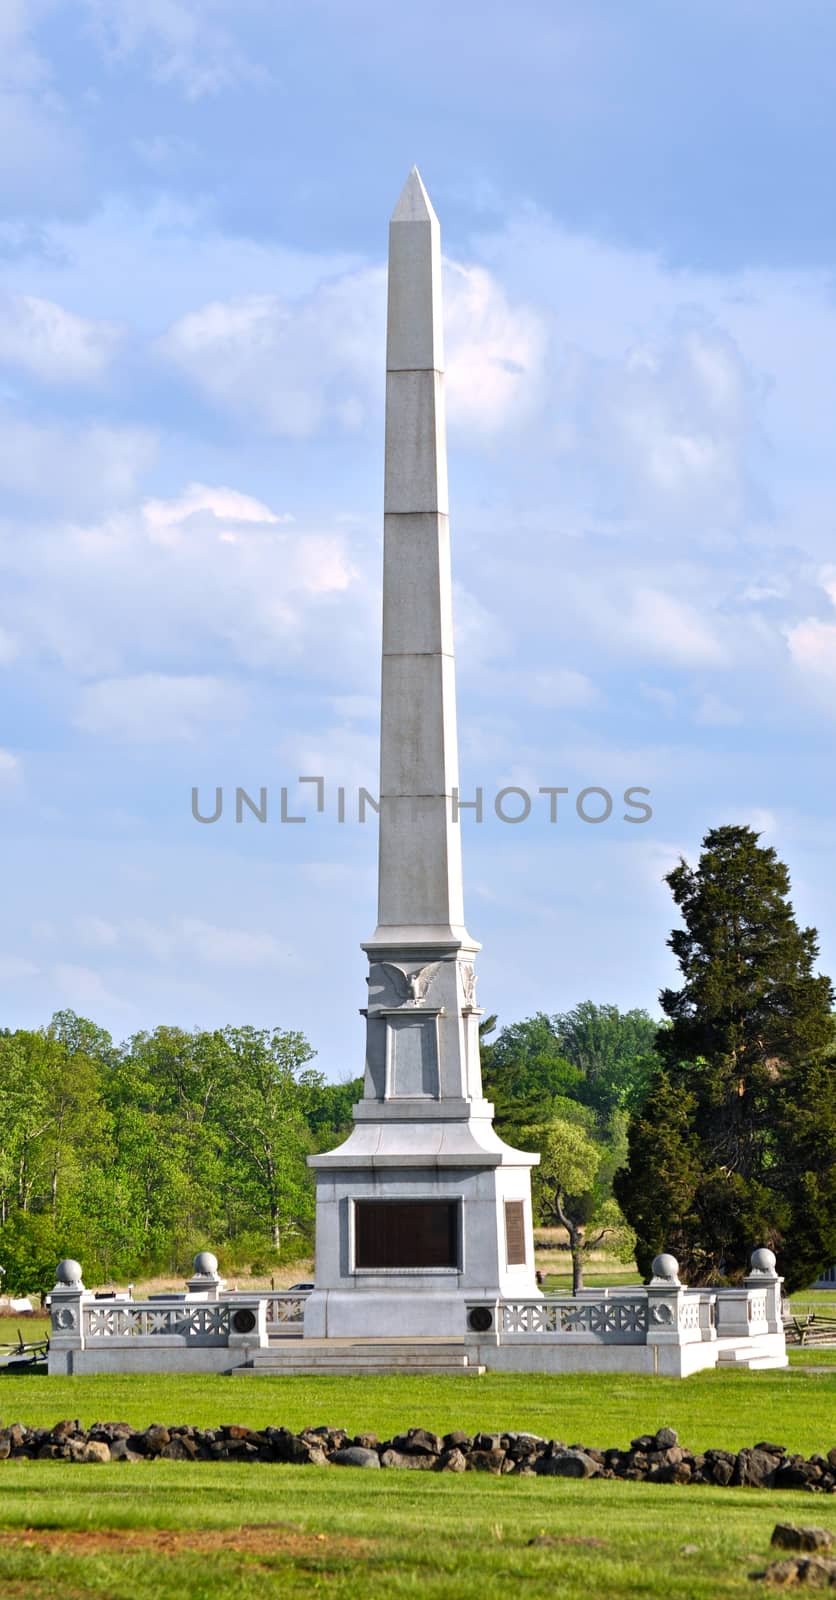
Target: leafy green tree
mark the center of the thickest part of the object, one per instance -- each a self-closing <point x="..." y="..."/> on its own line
<point x="736" y="1143"/>
<point x="30" y="1249"/>
<point x="566" y="1191"/>
<point x="613" y="1052"/>
<point x="329" y="1111"/>
<point x="524" y="1072"/>
<point x="263" y="1106"/>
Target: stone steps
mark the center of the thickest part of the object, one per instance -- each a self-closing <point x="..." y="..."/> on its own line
<point x="383" y="1357"/>
<point x="749" y="1357"/>
<point x="355" y="1369"/>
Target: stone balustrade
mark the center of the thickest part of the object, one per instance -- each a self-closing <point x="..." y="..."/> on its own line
<point x="670" y="1327"/>
<point x="660" y="1327"/>
<point x="206" y="1329"/>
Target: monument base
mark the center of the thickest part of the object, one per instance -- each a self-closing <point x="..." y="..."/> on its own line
<point x="413" y="1220"/>
<point x="422" y="1312"/>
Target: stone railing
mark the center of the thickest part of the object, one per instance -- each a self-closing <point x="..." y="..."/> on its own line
<point x="206" y="1328"/>
<point x="621" y="1319"/>
<point x="285" y="1312"/>
<point x="200" y="1324"/>
<point x="663" y="1312"/>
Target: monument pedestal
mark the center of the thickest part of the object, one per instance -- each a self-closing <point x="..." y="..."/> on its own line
<point x="412" y="1220"/>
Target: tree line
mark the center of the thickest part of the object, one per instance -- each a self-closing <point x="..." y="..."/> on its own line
<point x="706" y="1134"/>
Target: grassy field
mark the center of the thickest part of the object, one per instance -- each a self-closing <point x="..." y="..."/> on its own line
<point x="796" y="1407"/>
<point x="165" y="1532"/>
<point x="190" y="1531"/>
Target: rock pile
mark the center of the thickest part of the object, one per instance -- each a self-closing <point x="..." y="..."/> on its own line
<point x="815" y="1570"/>
<point x="652" y="1457"/>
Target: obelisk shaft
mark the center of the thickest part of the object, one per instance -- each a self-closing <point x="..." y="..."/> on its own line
<point x="420" y="874"/>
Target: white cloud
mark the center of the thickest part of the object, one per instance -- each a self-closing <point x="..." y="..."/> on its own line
<point x="356" y="707"/>
<point x="9" y="647"/>
<point x="233" y="947"/>
<point x="40" y="154"/>
<point x="97" y="932"/>
<point x="292" y="366"/>
<point x="341" y="755"/>
<point x="80" y="467"/>
<point x="158" y="708"/>
<point x="53" y="344"/>
<point x="759" y="818"/>
<point x="562" y="687"/>
<point x="197" y="939"/>
<point x="15" y="969"/>
<point x="185" y="41"/>
<point x="11" y="768"/>
<point x="674" y="418"/>
<point x="85" y="990"/>
<point x="812" y="646"/>
<point x="714" y="712"/>
<point x="159" y="586"/>
<point x="665" y="699"/>
<point x="298" y="366"/>
<point x="222" y="503"/>
<point x="495" y="353"/>
<point x="672" y="629"/>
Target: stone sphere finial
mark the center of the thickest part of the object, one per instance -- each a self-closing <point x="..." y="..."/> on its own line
<point x="764" y="1260"/>
<point x="206" y="1264"/>
<point x="68" y="1275"/>
<point x="665" y="1269"/>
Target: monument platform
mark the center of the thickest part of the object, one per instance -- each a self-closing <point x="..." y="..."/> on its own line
<point x="363" y="1358"/>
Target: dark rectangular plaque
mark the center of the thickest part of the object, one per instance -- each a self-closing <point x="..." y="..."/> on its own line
<point x="406" y="1233"/>
<point x="515" y="1233"/>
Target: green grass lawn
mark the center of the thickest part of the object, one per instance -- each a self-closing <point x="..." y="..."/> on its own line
<point x="169" y="1532"/>
<point x="796" y="1407"/>
<point x="166" y="1529"/>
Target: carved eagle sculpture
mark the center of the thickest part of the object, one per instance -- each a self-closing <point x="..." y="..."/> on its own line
<point x="410" y="987"/>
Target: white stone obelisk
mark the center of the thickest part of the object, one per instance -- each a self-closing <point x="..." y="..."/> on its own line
<point x="420" y="874"/>
<point x="423" y="1205"/>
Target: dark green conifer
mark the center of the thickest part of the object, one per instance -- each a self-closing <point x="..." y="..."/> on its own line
<point x="735" y="1145"/>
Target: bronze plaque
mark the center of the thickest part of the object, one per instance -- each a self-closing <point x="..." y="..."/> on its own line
<point x="406" y="1233"/>
<point x="515" y="1233"/>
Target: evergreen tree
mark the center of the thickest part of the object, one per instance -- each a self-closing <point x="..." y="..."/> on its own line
<point x="735" y="1145"/>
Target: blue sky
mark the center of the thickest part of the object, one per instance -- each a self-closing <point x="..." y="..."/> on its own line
<point x="641" y="343"/>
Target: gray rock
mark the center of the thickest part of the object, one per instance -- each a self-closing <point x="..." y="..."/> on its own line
<point x="398" y="1458"/>
<point x="178" y="1448"/>
<point x="64" y="1430"/>
<point x="120" y="1450"/>
<point x="788" y="1536"/>
<point x="755" y="1469"/>
<point x="453" y="1460"/>
<point x="96" y="1450"/>
<point x="567" y="1464"/>
<point x="488" y="1441"/>
<point x="353" y="1455"/>
<point x="817" y="1572"/>
<point x="418" y="1441"/>
<point x="485" y="1460"/>
<point x="665" y="1438"/>
<point x="154" y="1438"/>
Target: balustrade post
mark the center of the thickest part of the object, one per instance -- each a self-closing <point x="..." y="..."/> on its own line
<point x="247" y="1321"/>
<point x="762" y="1279"/>
<point x="66" y="1316"/>
<point x="206" y="1282"/>
<point x="673" y="1316"/>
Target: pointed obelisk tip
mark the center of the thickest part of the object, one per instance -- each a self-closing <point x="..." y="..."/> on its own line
<point x="414" y="204"/>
